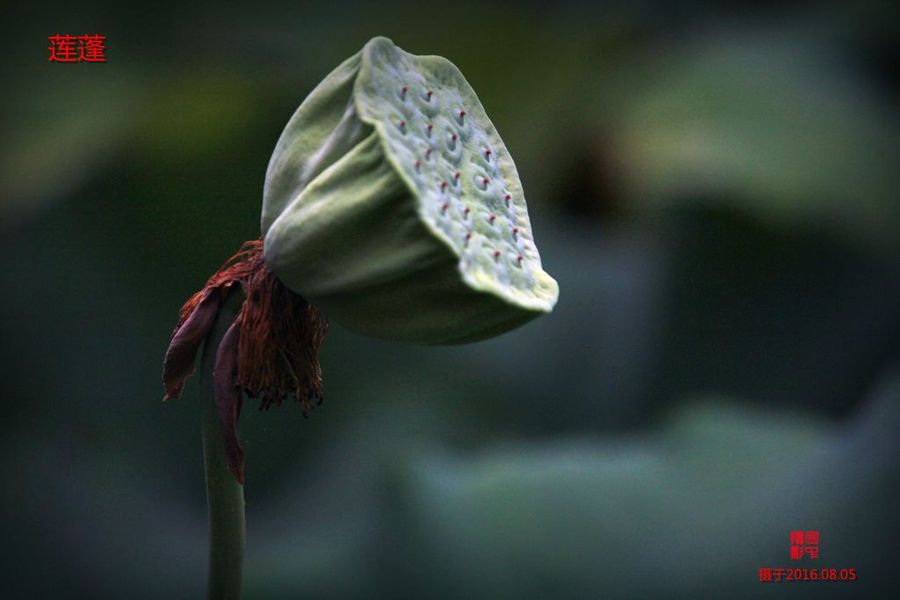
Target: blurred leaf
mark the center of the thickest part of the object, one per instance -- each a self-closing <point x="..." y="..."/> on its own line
<point x="776" y="127"/>
<point x="65" y="126"/>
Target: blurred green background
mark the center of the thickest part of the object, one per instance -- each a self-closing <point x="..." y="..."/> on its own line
<point x="716" y="192"/>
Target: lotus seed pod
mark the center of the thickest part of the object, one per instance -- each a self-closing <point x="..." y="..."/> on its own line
<point x="392" y="204"/>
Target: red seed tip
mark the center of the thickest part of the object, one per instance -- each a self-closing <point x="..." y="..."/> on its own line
<point x="402" y="124"/>
<point x="492" y="218"/>
<point x="428" y="94"/>
<point x="469" y="236"/>
<point x="443" y="185"/>
<point x="445" y="206"/>
<point x="403" y="90"/>
<point x="428" y="154"/>
<point x="519" y="259"/>
<point x="496" y="254"/>
<point x="515" y="231"/>
<point x="487" y="154"/>
<point x="453" y="136"/>
<point x="467" y="211"/>
<point x="456" y="176"/>
<point x="430" y="126"/>
<point x="485" y="181"/>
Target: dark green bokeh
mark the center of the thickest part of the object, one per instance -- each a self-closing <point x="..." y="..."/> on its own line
<point x="714" y="191"/>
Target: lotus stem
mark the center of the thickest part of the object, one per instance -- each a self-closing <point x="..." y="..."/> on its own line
<point x="225" y="496"/>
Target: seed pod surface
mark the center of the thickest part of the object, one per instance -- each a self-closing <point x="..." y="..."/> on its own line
<point x="393" y="205"/>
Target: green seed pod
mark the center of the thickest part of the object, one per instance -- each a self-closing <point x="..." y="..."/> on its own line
<point x="392" y="204"/>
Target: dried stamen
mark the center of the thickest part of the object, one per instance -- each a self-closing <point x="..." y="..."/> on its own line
<point x="269" y="352"/>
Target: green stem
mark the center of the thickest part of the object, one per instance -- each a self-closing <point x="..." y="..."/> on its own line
<point x="225" y="496"/>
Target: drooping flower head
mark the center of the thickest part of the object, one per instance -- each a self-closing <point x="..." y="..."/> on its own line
<point x="392" y="205"/>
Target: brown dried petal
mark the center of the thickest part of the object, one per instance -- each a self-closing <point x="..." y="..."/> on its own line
<point x="186" y="340"/>
<point x="229" y="397"/>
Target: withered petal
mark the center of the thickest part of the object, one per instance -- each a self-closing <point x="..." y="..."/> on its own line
<point x="229" y="397"/>
<point x="178" y="364"/>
